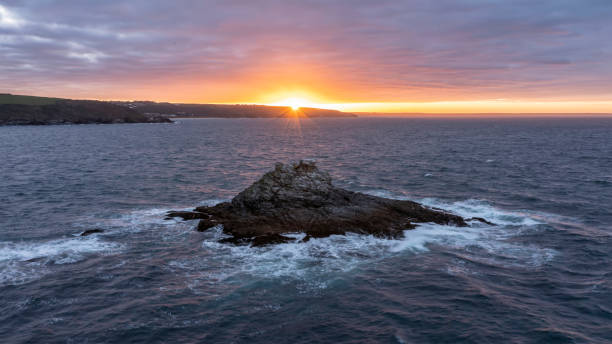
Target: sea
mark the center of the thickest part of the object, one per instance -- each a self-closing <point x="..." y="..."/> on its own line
<point x="541" y="274"/>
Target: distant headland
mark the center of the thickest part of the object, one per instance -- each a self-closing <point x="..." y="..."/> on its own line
<point x="228" y="110"/>
<point x="29" y="110"/>
<point x="32" y="110"/>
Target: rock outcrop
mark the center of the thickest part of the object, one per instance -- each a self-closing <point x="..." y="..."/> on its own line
<point x="301" y="198"/>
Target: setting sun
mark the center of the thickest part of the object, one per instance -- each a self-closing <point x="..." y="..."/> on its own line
<point x="295" y="103"/>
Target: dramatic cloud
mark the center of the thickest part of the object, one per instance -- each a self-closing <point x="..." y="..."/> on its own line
<point x="342" y="51"/>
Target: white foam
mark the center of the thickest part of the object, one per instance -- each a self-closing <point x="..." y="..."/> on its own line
<point x="142" y="220"/>
<point x="54" y="249"/>
<point x="318" y="261"/>
<point x="383" y="193"/>
<point x="314" y="263"/>
<point x="474" y="208"/>
<point x="481" y="208"/>
<point x="21" y="262"/>
<point x="487" y="244"/>
<point x="145" y="219"/>
<point x="212" y="202"/>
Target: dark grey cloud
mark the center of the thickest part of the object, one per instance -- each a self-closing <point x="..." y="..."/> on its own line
<point x="385" y="50"/>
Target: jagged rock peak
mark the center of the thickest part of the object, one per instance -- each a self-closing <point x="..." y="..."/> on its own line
<point x="295" y="182"/>
<point x="303" y="175"/>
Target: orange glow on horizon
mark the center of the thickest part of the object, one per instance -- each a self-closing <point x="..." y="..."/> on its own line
<point x="450" y="107"/>
<point x="301" y="84"/>
<point x="352" y="70"/>
<point x="481" y="106"/>
<point x="300" y="99"/>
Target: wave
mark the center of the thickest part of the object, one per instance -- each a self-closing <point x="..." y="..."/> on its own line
<point x="473" y="208"/>
<point x="315" y="262"/>
<point x="482" y="208"/>
<point x="320" y="260"/>
<point x="22" y="262"/>
<point x="146" y="219"/>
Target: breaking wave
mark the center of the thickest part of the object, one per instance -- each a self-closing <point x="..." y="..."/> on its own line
<point x="316" y="261"/>
<point x="22" y="262"/>
<point x="319" y="260"/>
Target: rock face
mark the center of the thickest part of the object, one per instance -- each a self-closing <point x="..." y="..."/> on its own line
<point x="301" y="198"/>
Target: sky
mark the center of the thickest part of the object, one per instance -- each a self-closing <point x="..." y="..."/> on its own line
<point x="355" y="55"/>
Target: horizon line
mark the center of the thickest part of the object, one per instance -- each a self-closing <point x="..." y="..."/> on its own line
<point x="449" y="108"/>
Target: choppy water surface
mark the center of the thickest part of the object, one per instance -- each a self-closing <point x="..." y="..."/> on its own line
<point x="542" y="275"/>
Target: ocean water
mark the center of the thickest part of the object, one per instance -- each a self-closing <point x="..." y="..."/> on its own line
<point x="542" y="275"/>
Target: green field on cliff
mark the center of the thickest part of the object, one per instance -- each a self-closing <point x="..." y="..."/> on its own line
<point x="6" y="98"/>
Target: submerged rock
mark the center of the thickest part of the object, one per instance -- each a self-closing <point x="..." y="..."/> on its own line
<point x="301" y="198"/>
<point x="92" y="231"/>
<point x="480" y="219"/>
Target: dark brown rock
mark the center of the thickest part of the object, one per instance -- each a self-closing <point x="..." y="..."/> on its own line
<point x="205" y="224"/>
<point x="92" y="231"/>
<point x="270" y="239"/>
<point x="480" y="219"/>
<point x="186" y="215"/>
<point x="260" y="240"/>
<point x="301" y="198"/>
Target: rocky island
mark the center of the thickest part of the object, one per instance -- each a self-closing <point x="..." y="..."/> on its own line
<point x="301" y="198"/>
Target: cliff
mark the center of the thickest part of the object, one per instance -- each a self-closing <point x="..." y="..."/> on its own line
<point x="22" y="110"/>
